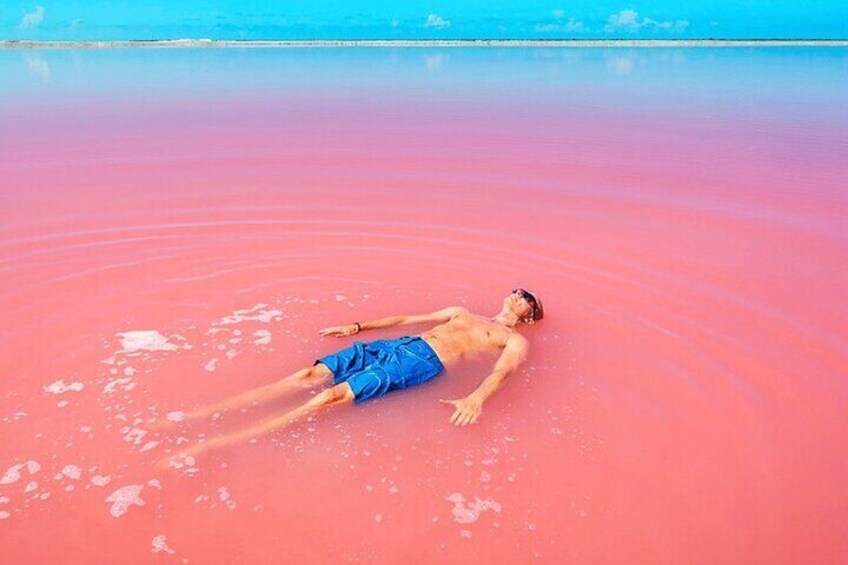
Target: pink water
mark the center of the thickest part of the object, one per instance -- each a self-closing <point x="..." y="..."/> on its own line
<point x="681" y="215"/>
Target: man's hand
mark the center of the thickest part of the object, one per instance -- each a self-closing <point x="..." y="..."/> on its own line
<point x="467" y="411"/>
<point x="340" y="331"/>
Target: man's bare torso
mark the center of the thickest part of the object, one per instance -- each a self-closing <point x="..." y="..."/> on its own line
<point x="466" y="334"/>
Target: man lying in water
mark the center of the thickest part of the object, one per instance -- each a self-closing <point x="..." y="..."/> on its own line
<point x="367" y="370"/>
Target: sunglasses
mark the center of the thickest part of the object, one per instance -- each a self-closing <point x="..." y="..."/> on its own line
<point x="528" y="296"/>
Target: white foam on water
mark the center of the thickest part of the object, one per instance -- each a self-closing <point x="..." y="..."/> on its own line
<point x="148" y="340"/>
<point x="59" y="387"/>
<point x="175" y="416"/>
<point x="160" y="543"/>
<point x="13" y="473"/>
<point x="469" y="512"/>
<point x="101" y="480"/>
<point x="44" y="495"/>
<point x="258" y="313"/>
<point x="211" y="365"/>
<point x="341" y="298"/>
<point x="261" y="337"/>
<point x="123" y="498"/>
<point x="232" y="354"/>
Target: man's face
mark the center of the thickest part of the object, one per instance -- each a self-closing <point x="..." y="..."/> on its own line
<point x="516" y="303"/>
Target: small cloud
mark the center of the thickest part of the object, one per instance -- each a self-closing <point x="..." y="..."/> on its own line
<point x="32" y="19"/>
<point x="558" y="13"/>
<point x="436" y="21"/>
<point x="75" y="23"/>
<point x="395" y="23"/>
<point x="629" y="21"/>
<point x="572" y="26"/>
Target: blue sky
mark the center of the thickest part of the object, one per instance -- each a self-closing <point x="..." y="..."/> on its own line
<point x="419" y="19"/>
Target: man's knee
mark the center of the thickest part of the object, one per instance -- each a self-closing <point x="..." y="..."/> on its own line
<point x="311" y="376"/>
<point x="335" y="394"/>
<point x="319" y="371"/>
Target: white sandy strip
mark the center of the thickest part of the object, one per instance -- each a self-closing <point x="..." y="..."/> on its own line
<point x="394" y="43"/>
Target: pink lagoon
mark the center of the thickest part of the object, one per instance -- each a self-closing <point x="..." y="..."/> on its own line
<point x="178" y="224"/>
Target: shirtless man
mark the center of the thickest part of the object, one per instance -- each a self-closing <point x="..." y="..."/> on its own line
<point x="368" y="370"/>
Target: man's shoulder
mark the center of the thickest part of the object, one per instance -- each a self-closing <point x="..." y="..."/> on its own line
<point x="454" y="311"/>
<point x="517" y="341"/>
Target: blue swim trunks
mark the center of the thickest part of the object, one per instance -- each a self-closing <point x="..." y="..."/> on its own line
<point x="376" y="367"/>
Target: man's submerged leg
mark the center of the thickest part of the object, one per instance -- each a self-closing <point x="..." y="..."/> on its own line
<point x="337" y="395"/>
<point x="305" y="378"/>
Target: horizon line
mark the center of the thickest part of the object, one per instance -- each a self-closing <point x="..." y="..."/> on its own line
<point x="295" y="43"/>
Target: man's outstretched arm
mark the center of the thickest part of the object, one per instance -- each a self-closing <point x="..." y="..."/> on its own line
<point x="468" y="409"/>
<point x="439" y="316"/>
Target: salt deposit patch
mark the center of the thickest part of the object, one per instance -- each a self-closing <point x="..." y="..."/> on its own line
<point x="468" y="512"/>
<point x="13" y="473"/>
<point x="224" y="496"/>
<point x="261" y="337"/>
<point x="60" y="387"/>
<point x="101" y="480"/>
<point x="149" y="445"/>
<point x="124" y="383"/>
<point x="175" y="416"/>
<point x="148" y="340"/>
<point x="123" y="498"/>
<point x="133" y="435"/>
<point x="72" y="472"/>
<point x="258" y="313"/>
<point x="160" y="543"/>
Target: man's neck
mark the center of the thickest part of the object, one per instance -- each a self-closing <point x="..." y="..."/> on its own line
<point x="507" y="318"/>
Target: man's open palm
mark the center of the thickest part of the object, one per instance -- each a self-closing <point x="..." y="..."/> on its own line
<point x="467" y="411"/>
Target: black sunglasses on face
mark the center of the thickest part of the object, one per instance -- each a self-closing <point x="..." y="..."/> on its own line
<point x="528" y="296"/>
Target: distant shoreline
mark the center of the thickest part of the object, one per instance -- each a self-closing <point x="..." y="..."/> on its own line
<point x="209" y="43"/>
